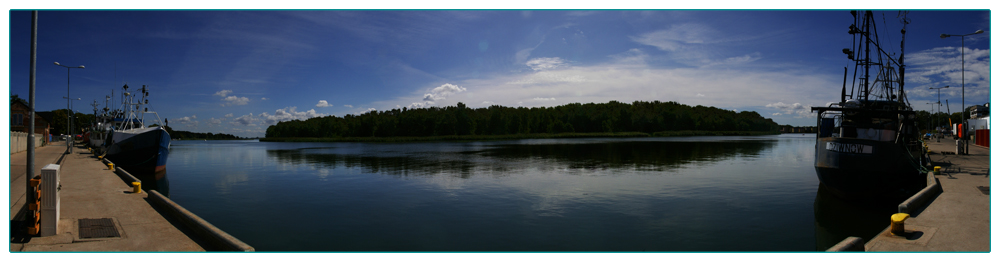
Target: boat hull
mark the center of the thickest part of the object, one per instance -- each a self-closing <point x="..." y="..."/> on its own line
<point x="142" y="153"/>
<point x="861" y="168"/>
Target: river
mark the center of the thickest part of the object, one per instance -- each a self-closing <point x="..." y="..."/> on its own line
<point x="734" y="193"/>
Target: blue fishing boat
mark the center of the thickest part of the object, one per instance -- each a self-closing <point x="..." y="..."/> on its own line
<point x="135" y="147"/>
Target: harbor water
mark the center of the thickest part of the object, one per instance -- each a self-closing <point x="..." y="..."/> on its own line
<point x="734" y="193"/>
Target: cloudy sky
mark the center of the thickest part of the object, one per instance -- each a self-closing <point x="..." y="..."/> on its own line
<point x="238" y="72"/>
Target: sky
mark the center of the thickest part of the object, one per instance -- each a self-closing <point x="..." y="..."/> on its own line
<point x="238" y="72"/>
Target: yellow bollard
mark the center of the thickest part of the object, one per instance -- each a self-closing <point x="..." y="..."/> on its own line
<point x="111" y="166"/>
<point x="100" y="157"/>
<point x="136" y="187"/>
<point x="896" y="227"/>
<point x="937" y="170"/>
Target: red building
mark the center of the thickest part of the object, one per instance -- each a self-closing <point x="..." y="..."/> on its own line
<point x="19" y="120"/>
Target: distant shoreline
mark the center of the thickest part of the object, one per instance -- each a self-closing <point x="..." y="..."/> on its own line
<point x="518" y="136"/>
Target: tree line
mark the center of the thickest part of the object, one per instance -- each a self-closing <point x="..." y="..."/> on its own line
<point x="187" y="135"/>
<point x="614" y="116"/>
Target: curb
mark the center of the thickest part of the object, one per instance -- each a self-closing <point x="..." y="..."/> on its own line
<point x="917" y="200"/>
<point x="848" y="244"/>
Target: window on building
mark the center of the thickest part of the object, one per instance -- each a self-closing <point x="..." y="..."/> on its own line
<point x="16" y="120"/>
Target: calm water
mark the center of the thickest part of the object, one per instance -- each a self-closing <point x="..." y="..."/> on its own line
<point x="642" y="194"/>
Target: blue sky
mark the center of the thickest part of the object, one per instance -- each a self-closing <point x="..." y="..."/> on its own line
<point x="238" y="72"/>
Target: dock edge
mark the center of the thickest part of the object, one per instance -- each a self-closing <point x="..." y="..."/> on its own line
<point x="207" y="231"/>
<point x="849" y="244"/>
<point x="916" y="201"/>
<point x="220" y="239"/>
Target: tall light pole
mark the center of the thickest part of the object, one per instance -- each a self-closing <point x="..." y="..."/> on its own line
<point x="939" y="97"/>
<point x="69" y="125"/>
<point x="965" y="135"/>
<point x="69" y="144"/>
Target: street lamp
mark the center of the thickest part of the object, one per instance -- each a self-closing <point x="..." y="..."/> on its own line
<point x="69" y="144"/>
<point x="69" y="125"/>
<point x="965" y="135"/>
<point x="939" y="96"/>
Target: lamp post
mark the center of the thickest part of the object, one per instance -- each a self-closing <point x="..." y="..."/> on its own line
<point x="965" y="135"/>
<point x="69" y="125"/>
<point x="939" y="97"/>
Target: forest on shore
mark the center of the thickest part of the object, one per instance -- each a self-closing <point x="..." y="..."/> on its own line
<point x="187" y="135"/>
<point x="614" y="118"/>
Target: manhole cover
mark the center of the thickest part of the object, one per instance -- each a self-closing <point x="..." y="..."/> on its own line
<point x="984" y="189"/>
<point x="98" y="228"/>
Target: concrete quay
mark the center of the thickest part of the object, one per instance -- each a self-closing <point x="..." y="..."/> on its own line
<point x="957" y="219"/>
<point x="90" y="191"/>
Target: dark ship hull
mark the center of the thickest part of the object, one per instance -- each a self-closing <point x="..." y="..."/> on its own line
<point x="860" y="168"/>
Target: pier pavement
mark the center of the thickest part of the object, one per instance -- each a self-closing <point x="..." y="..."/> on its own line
<point x="957" y="219"/>
<point x="91" y="191"/>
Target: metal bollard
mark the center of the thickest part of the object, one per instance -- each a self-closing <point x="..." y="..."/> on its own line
<point x="111" y="166"/>
<point x="896" y="226"/>
<point x="136" y="187"/>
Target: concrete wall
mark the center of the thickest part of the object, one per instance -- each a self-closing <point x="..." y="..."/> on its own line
<point x="19" y="141"/>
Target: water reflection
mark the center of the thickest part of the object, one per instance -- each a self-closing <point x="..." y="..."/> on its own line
<point x="652" y="194"/>
<point x="505" y="158"/>
<point x="156" y="181"/>
<point x="837" y="219"/>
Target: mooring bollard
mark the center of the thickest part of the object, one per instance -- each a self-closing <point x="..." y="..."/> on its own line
<point x="896" y="226"/>
<point x="937" y="170"/>
<point x="111" y="166"/>
<point x="136" y="187"/>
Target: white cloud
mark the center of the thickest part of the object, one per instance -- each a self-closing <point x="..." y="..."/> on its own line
<point x="942" y="66"/>
<point x="550" y="77"/>
<point x="442" y="92"/>
<point x="223" y="93"/>
<point x="545" y="63"/>
<point x="700" y="95"/>
<point x="348" y="106"/>
<point x="632" y="56"/>
<point x="365" y="111"/>
<point x="287" y="114"/>
<point x="263" y="98"/>
<point x="229" y="115"/>
<point x="425" y="104"/>
<point x="626" y="80"/>
<point x="797" y="109"/>
<point x="246" y="120"/>
<point x="323" y="103"/>
<point x="676" y="37"/>
<point x="188" y="121"/>
<point x="214" y="121"/>
<point x="233" y="100"/>
<point x="544" y="99"/>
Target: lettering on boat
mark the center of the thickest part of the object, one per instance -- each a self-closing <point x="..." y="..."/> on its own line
<point x="849" y="148"/>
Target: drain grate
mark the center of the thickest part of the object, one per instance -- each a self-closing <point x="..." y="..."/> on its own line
<point x="98" y="228"/>
<point x="984" y="189"/>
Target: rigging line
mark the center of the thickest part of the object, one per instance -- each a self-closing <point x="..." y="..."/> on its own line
<point x="889" y="37"/>
<point x="854" y="39"/>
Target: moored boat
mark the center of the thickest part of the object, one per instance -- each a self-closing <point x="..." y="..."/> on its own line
<point x="137" y="148"/>
<point x="868" y="144"/>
